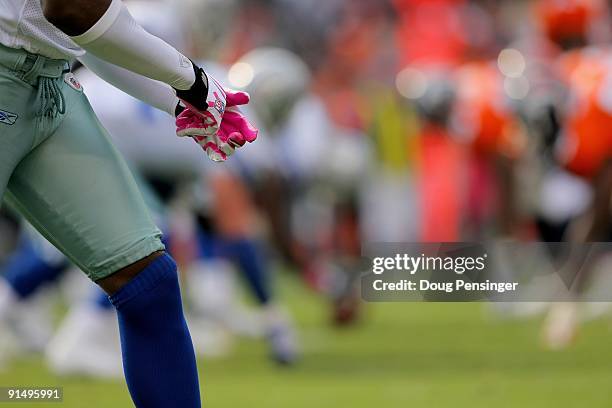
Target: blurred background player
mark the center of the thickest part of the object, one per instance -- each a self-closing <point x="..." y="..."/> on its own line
<point x="582" y="66"/>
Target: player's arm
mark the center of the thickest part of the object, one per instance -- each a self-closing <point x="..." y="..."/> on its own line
<point x="74" y="17"/>
<point x="237" y="130"/>
<point x="150" y="91"/>
<point x="106" y="29"/>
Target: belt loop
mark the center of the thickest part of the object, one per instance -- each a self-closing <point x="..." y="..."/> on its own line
<point x="32" y="74"/>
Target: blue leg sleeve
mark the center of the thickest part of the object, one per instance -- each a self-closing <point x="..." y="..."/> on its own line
<point x="158" y="355"/>
<point x="251" y="260"/>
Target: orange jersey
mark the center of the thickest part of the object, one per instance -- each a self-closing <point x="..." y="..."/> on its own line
<point x="483" y="115"/>
<point x="586" y="142"/>
<point x="431" y="32"/>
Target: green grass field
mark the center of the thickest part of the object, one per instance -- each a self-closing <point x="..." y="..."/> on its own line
<point x="401" y="355"/>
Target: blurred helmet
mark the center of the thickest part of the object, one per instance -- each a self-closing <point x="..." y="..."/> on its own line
<point x="275" y="78"/>
<point x="430" y="89"/>
<point x="207" y="22"/>
<point x="161" y="19"/>
<point x="569" y="21"/>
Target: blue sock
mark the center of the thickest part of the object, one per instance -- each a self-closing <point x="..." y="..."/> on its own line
<point x="158" y="357"/>
<point x="26" y="271"/>
<point x="251" y="260"/>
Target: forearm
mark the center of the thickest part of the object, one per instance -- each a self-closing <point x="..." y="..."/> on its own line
<point x="115" y="37"/>
<point x="152" y="92"/>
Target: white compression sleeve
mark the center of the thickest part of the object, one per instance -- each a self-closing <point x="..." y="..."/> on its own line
<point x="118" y="39"/>
<point x="150" y="91"/>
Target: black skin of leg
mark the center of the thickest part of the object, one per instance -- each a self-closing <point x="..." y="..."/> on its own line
<point x="112" y="284"/>
<point x="602" y="186"/>
<point x="74" y="17"/>
<point x="508" y="213"/>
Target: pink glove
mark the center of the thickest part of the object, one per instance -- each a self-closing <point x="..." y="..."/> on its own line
<point x="222" y="128"/>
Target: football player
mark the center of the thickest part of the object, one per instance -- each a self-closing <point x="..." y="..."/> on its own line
<point x="584" y="145"/>
<point x="59" y="170"/>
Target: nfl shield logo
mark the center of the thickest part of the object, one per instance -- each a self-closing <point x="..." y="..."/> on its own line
<point x="71" y="80"/>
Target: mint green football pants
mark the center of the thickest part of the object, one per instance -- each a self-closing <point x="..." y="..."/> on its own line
<point x="59" y="169"/>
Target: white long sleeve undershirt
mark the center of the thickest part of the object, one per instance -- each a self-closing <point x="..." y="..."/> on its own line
<point x="152" y="92"/>
<point x="117" y="38"/>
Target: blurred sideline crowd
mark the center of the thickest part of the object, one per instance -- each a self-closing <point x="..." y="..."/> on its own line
<point x="381" y="121"/>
